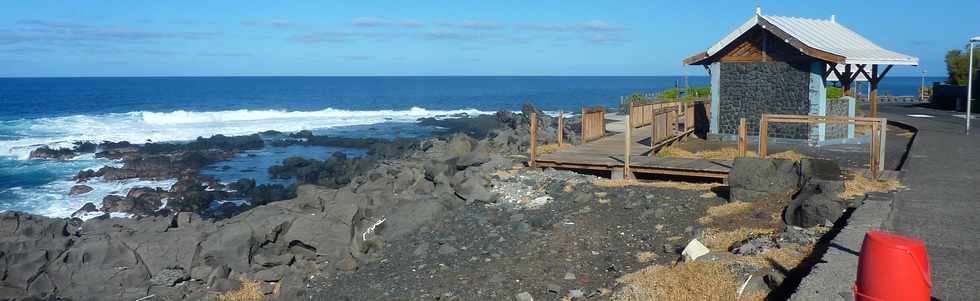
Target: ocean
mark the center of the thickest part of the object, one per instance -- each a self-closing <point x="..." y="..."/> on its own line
<point x="59" y="111"/>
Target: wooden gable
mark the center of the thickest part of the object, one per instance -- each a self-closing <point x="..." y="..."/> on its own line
<point x="759" y="46"/>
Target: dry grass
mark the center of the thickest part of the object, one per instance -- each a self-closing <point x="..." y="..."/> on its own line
<point x="782" y="258"/>
<point x="725" y="153"/>
<point x="789" y="155"/>
<point x="646" y="256"/>
<point x="722" y="240"/>
<point x="857" y="185"/>
<point x="550" y="148"/>
<point x="248" y="291"/>
<point x="699" y="280"/>
<point x="749" y="215"/>
<point x="724" y="210"/>
<point x="607" y="183"/>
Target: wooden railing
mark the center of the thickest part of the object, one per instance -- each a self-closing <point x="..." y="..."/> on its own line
<point x="641" y="114"/>
<point x="876" y="162"/>
<point x="664" y="125"/>
<point x="593" y="123"/>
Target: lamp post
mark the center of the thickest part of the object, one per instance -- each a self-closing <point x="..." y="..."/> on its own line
<point x="969" y="84"/>
<point x="922" y="89"/>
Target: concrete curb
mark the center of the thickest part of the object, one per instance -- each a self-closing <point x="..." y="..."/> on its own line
<point x="834" y="276"/>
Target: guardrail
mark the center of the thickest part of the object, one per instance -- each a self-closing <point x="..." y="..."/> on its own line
<point x="593" y="123"/>
<point x="896" y="99"/>
<point x="876" y="162"/>
<point x="641" y="114"/>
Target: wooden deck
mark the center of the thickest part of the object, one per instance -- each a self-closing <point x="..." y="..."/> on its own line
<point x="606" y="154"/>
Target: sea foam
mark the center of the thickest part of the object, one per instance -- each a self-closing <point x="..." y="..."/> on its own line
<point x="139" y="127"/>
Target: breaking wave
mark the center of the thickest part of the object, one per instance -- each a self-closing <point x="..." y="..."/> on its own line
<point x="19" y="137"/>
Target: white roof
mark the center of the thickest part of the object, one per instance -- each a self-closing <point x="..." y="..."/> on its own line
<point x="825" y="35"/>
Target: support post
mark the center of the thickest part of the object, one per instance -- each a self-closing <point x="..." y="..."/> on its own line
<point x="653" y="128"/>
<point x="873" y="96"/>
<point x="763" y="136"/>
<point x="627" y="174"/>
<point x="534" y="138"/>
<point x="969" y="88"/>
<point x="584" y="124"/>
<point x="875" y="150"/>
<point x="561" y="128"/>
<point x="846" y="81"/>
<point x="742" y="138"/>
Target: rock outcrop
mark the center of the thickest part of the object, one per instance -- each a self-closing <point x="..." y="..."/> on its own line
<point x="336" y="224"/>
<point x="753" y="179"/>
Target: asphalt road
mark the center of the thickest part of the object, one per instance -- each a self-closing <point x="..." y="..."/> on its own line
<point x="942" y="204"/>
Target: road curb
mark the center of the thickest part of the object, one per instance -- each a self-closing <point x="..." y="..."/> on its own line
<point x="833" y="277"/>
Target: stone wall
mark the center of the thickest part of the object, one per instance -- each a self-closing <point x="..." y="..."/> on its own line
<point x="837" y="107"/>
<point x="750" y="89"/>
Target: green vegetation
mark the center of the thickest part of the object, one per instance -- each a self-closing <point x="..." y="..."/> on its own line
<point x="957" y="61"/>
<point x="693" y="94"/>
<point x="834" y="92"/>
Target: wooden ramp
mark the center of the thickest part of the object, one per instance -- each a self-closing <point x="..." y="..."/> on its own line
<point x="606" y="154"/>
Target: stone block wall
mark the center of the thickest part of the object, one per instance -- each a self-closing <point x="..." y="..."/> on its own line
<point x="750" y="89"/>
<point x="837" y="107"/>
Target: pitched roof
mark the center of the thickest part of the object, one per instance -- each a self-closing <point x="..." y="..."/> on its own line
<point x="825" y="39"/>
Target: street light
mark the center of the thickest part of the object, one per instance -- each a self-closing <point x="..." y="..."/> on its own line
<point x="969" y="83"/>
<point x="922" y="88"/>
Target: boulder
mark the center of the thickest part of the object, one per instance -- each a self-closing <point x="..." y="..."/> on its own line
<point x="754" y="246"/>
<point x="470" y="159"/>
<point x="460" y="144"/>
<point x="140" y="201"/>
<point x="754" y="179"/>
<point x="169" y="277"/>
<point x="48" y="153"/>
<point x="88" y="207"/>
<point x="813" y="207"/>
<point x="474" y="189"/>
<point x="80" y="189"/>
<point x="824" y="173"/>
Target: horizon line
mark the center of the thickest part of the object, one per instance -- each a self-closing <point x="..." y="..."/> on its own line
<point x="245" y="76"/>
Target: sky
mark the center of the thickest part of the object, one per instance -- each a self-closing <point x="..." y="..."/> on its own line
<point x="363" y="38"/>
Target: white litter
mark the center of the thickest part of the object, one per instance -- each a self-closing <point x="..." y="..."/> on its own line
<point x="694" y="249"/>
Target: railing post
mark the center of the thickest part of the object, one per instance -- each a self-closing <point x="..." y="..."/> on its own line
<point x="763" y="136"/>
<point x="602" y="123"/>
<point x="534" y="138"/>
<point x="653" y="128"/>
<point x="875" y="150"/>
<point x="627" y="174"/>
<point x="561" y="128"/>
<point x="742" y="137"/>
<point x="584" y="123"/>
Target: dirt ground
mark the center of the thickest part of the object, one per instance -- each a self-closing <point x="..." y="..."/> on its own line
<point x="576" y="245"/>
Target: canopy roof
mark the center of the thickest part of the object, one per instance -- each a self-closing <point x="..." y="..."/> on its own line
<point x="823" y="39"/>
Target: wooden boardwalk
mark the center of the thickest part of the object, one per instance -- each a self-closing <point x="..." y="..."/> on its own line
<point x="606" y="154"/>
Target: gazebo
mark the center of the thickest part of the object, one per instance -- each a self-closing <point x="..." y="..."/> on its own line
<point x="780" y="65"/>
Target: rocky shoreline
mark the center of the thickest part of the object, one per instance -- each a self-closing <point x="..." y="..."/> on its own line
<point x="337" y="218"/>
<point x="452" y="217"/>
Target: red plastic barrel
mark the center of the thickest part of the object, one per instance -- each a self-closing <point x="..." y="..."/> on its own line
<point x="892" y="267"/>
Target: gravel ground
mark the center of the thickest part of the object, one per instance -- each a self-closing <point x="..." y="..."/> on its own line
<point x="576" y="244"/>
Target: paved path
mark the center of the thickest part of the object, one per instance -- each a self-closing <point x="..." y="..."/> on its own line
<point x="616" y="122"/>
<point x="942" y="204"/>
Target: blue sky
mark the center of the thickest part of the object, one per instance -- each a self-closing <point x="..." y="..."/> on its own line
<point x="184" y="38"/>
